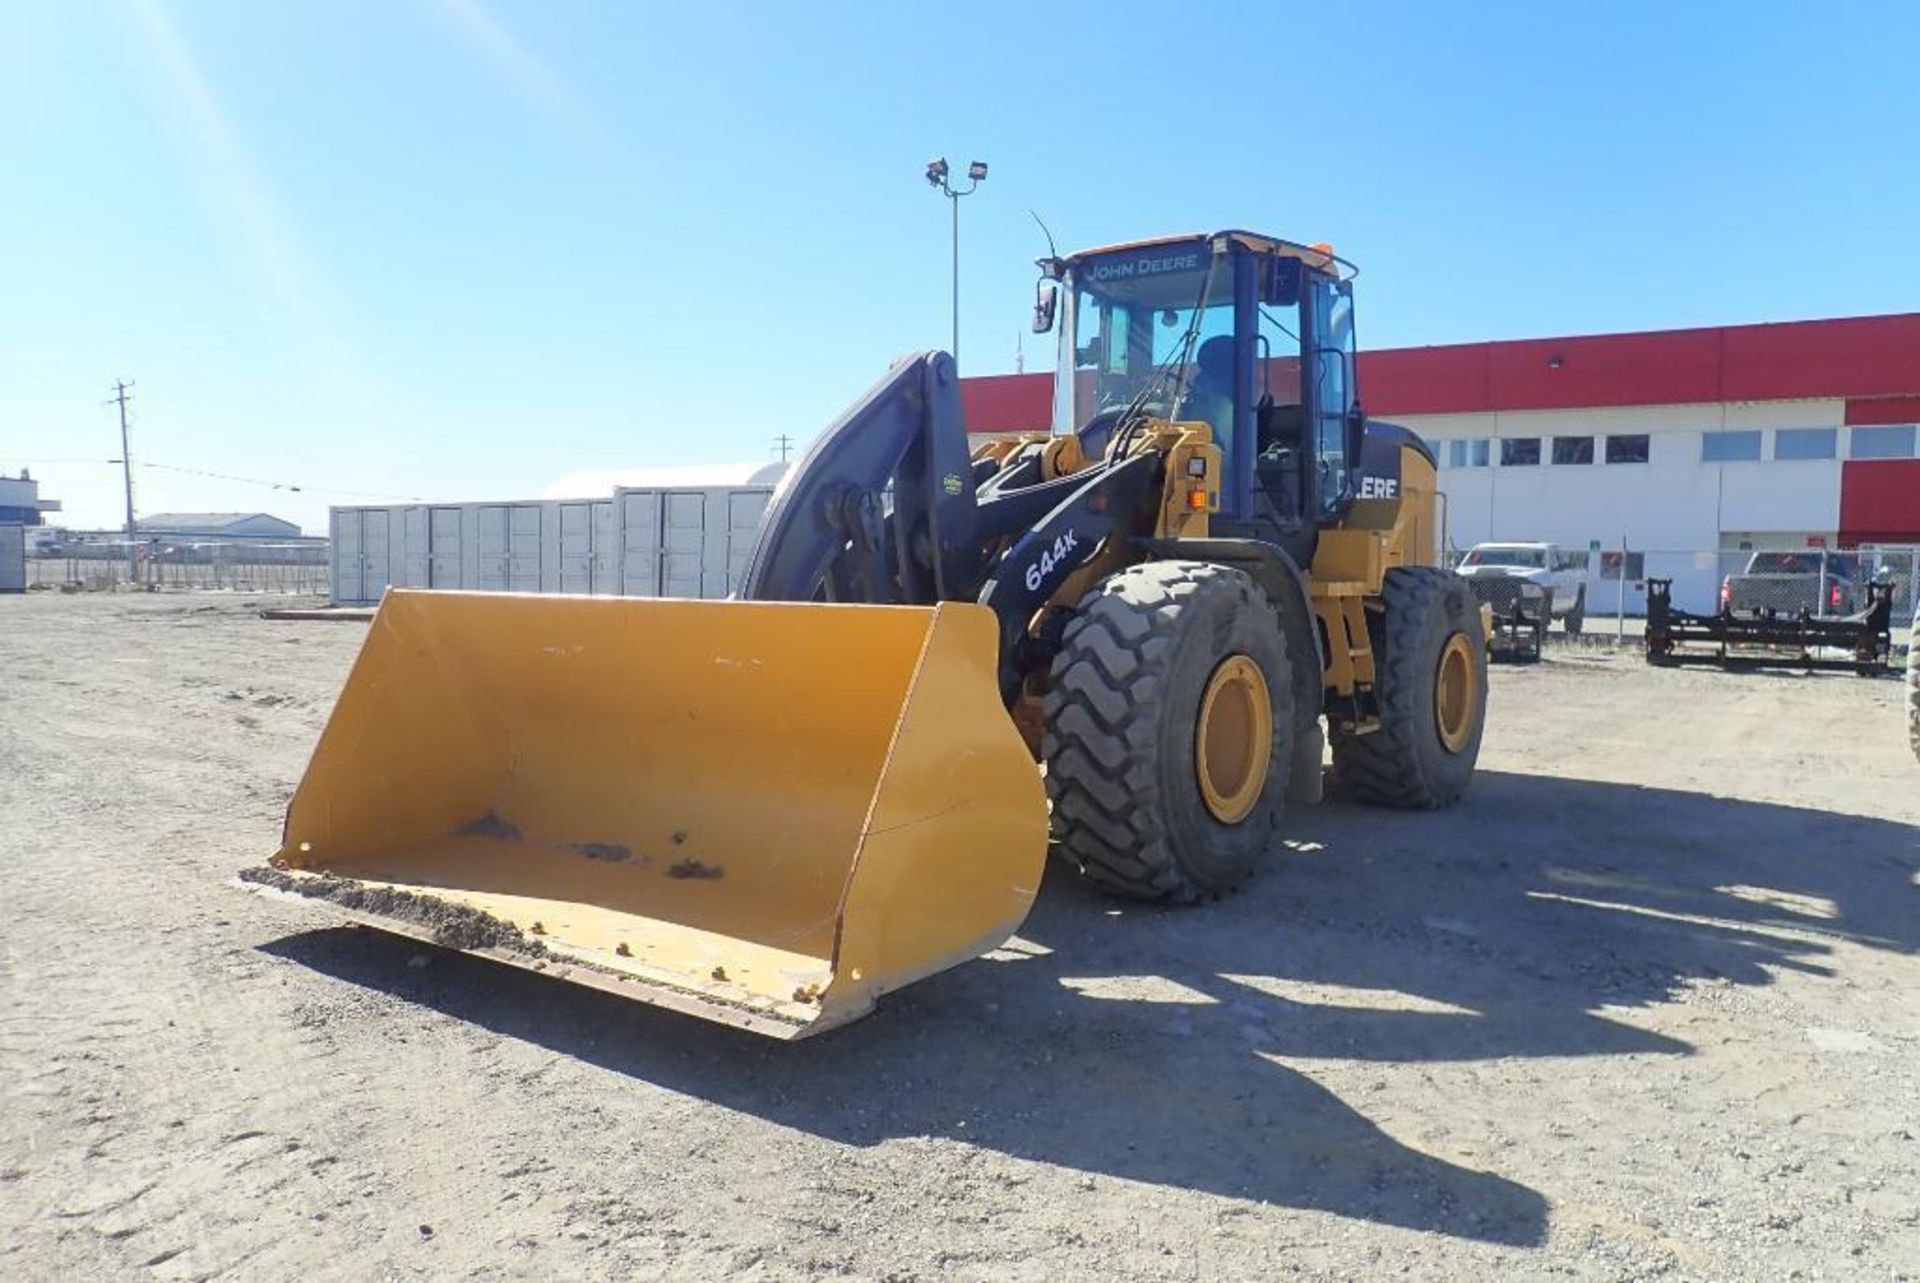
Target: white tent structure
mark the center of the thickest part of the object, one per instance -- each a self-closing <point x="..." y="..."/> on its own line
<point x="699" y="476"/>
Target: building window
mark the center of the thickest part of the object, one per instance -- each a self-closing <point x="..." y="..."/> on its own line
<point x="1467" y="452"/>
<point x="1729" y="447"/>
<point x="1573" y="449"/>
<point x="1630" y="447"/>
<point x="1519" y="452"/>
<point x="1806" y="443"/>
<point x="1881" y="443"/>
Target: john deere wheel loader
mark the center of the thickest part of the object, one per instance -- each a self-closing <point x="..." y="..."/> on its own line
<point x="772" y="810"/>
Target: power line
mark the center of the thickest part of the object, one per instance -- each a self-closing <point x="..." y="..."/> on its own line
<point x="784" y="444"/>
<point x="223" y="476"/>
<point x="295" y="487"/>
<point x="284" y="485"/>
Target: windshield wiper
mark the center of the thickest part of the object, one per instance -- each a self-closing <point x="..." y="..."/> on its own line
<point x="1179" y="359"/>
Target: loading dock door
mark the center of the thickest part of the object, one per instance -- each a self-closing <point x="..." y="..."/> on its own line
<point x="443" y="535"/>
<point x="746" y="509"/>
<point x="639" y="519"/>
<point x="375" y="550"/>
<point x="414" y="548"/>
<point x="490" y="546"/>
<point x="347" y="578"/>
<point x="606" y="549"/>
<point x="523" y="549"/>
<point x="576" y="547"/>
<point x="683" y="543"/>
<point x="687" y="543"/>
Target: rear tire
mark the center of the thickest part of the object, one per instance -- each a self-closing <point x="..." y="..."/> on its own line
<point x="1137" y="793"/>
<point x="1428" y="645"/>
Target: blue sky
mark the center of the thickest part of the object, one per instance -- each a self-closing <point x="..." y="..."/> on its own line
<point x="455" y="249"/>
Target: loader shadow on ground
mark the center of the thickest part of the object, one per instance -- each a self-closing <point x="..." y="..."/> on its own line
<point x="1147" y="1044"/>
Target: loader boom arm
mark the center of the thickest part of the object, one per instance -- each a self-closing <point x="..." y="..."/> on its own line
<point x="829" y="534"/>
<point x="886" y="508"/>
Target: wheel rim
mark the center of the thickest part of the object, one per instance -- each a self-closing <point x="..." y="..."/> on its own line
<point x="1233" y="740"/>
<point x="1455" y="693"/>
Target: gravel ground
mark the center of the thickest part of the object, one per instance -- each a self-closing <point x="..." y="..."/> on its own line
<point x="1648" y="1004"/>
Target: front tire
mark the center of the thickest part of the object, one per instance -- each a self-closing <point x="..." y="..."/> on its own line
<point x="1430" y="666"/>
<point x="1169" y="721"/>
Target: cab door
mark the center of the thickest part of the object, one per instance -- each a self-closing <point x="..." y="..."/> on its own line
<point x="1327" y="375"/>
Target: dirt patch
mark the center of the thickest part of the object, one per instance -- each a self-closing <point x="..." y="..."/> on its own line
<point x="457" y="926"/>
<point x="696" y="870"/>
<point x="614" y="852"/>
<point x="490" y="825"/>
<point x="1646" y="1004"/>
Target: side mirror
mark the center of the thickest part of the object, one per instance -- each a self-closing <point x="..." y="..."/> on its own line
<point x="1046" y="297"/>
<point x="1283" y="282"/>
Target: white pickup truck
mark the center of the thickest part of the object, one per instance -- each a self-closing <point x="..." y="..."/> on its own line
<point x="1561" y="574"/>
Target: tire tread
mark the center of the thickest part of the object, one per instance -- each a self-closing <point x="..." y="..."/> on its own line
<point x="1102" y="724"/>
<point x="1382" y="768"/>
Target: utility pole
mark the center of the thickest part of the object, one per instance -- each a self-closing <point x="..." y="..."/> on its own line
<point x="783" y="443"/>
<point x="120" y="389"/>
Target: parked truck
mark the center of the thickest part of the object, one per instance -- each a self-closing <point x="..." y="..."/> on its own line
<point x="1528" y="586"/>
<point x="1786" y="583"/>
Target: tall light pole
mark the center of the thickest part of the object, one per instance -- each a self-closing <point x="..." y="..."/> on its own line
<point x="937" y="177"/>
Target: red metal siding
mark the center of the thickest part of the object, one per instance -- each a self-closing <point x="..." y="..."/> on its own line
<point x="1608" y="369"/>
<point x="1891" y="409"/>
<point x="1851" y="356"/>
<point x="1426" y="380"/>
<point x="1008" y="402"/>
<point x="1879" y="501"/>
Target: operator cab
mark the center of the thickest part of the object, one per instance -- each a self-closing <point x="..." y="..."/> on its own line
<point x="1251" y="334"/>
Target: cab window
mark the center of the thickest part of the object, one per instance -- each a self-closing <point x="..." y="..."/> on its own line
<point x="1332" y="355"/>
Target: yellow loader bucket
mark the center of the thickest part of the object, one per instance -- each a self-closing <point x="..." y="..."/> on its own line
<point x="761" y="813"/>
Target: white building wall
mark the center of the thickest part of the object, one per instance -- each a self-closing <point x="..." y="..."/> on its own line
<point x="16" y="492"/>
<point x="1677" y="509"/>
<point x="1788" y="496"/>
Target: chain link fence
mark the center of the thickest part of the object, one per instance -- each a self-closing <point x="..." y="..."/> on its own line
<point x="1899" y="565"/>
<point x="239" y="565"/>
<point x="1779" y="582"/>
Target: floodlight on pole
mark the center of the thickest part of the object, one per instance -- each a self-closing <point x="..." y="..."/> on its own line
<point x="937" y="173"/>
